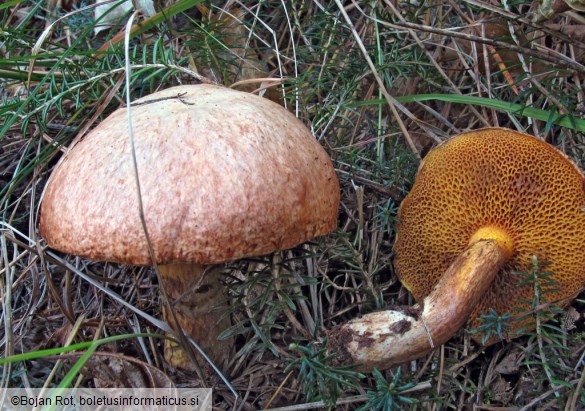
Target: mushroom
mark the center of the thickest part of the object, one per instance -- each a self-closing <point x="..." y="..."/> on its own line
<point x="223" y="175"/>
<point x="482" y="205"/>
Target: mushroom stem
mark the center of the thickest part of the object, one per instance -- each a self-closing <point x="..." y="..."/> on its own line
<point x="193" y="292"/>
<point x="400" y="334"/>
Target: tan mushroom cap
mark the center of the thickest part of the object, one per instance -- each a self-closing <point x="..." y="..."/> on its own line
<point x="499" y="184"/>
<point x="224" y="174"/>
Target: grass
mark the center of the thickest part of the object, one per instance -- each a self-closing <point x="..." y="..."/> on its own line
<point x="378" y="86"/>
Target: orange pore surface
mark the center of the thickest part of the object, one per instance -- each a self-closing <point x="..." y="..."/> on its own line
<point x="494" y="180"/>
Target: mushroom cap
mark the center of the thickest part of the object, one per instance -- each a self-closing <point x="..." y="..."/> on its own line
<point x="500" y="183"/>
<point x="223" y="174"/>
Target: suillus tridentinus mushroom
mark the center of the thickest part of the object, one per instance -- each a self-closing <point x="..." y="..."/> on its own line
<point x="223" y="174"/>
<point x="482" y="205"/>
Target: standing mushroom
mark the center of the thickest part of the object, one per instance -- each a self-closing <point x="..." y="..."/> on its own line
<point x="223" y="174"/>
<point x="482" y="205"/>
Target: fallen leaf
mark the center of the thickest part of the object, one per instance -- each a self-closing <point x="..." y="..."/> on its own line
<point x="111" y="14"/>
<point x="112" y="370"/>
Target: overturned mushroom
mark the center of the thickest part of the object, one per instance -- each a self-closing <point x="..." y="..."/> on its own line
<point x="223" y="174"/>
<point x="482" y="205"/>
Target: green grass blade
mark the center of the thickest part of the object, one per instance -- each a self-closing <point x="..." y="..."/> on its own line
<point x="549" y="116"/>
<point x="74" y="347"/>
<point x="9" y="4"/>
